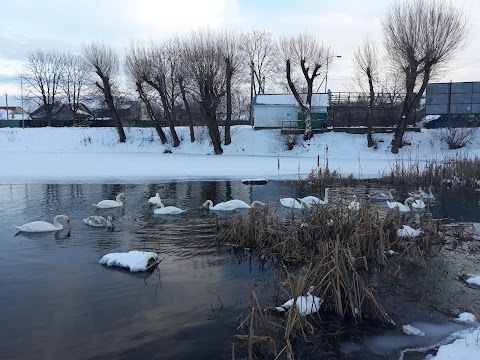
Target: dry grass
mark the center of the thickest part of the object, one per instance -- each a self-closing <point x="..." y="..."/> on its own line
<point x="457" y="171"/>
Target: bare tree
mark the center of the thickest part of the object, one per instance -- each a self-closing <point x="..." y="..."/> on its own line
<point x="230" y="42"/>
<point x="163" y="78"/>
<point x="308" y="56"/>
<point x="365" y="59"/>
<point x="420" y="37"/>
<point x="184" y="82"/>
<point x="105" y="63"/>
<point x="205" y="67"/>
<point x="74" y="80"/>
<point x="138" y="68"/>
<point x="42" y="74"/>
<point x="262" y="54"/>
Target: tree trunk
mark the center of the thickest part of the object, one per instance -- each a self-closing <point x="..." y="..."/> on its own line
<point x="308" y="133"/>
<point x="214" y="132"/>
<point x="370" y="142"/>
<point x="404" y="116"/>
<point x="167" y="111"/>
<point x="187" y="108"/>
<point x="107" y="92"/>
<point x="151" y="113"/>
<point x="228" y="119"/>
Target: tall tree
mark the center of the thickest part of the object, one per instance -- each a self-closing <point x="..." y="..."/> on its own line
<point x="420" y="37"/>
<point x="138" y="67"/>
<point x="262" y="54"/>
<point x="205" y="67"/>
<point x="184" y="83"/>
<point x="230" y="42"/>
<point x="365" y="59"/>
<point x="42" y="74"/>
<point x="105" y="63"/>
<point x="74" y="80"/>
<point x="305" y="54"/>
<point x="163" y="78"/>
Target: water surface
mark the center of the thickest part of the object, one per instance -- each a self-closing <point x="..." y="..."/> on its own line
<point x="57" y="301"/>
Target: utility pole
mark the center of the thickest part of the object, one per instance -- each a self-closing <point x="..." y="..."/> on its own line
<point x="6" y="103"/>
<point x="21" y="95"/>
<point x="251" y="93"/>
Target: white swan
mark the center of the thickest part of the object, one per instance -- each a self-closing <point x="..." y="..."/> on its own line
<point x="293" y="203"/>
<point x="418" y="204"/>
<point x="417" y="194"/>
<point x="354" y="204"/>
<point x="382" y="196"/>
<point x="407" y="231"/>
<point x="105" y="204"/>
<point x="167" y="210"/>
<point x="43" y="226"/>
<point x="155" y="200"/>
<point x="230" y="205"/>
<point x="313" y="200"/>
<point x="430" y="195"/>
<point x="402" y="207"/>
<point x="99" y="221"/>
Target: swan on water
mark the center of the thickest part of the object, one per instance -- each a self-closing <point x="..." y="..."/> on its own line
<point x="155" y="200"/>
<point x="43" y="226"/>
<point x="167" y="210"/>
<point x="105" y="204"/>
<point x="293" y="203"/>
<point x="99" y="221"/>
<point x="313" y="200"/>
<point x="420" y="194"/>
<point x="382" y="196"/>
<point x="230" y="205"/>
<point x="354" y="204"/>
<point x="405" y="207"/>
<point x="429" y="195"/>
<point x="418" y="204"/>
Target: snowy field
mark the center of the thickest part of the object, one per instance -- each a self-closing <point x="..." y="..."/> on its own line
<point x="87" y="155"/>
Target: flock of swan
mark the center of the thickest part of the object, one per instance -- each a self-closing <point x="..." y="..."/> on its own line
<point x="415" y="202"/>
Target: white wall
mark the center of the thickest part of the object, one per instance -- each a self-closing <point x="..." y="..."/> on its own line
<point x="272" y="116"/>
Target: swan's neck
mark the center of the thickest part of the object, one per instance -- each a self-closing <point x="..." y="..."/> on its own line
<point x="56" y="222"/>
<point x="119" y="198"/>
<point x="160" y="205"/>
<point x="326" y="196"/>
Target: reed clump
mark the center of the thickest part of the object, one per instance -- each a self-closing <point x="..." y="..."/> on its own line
<point x="461" y="170"/>
<point x="458" y="171"/>
<point x="325" y="252"/>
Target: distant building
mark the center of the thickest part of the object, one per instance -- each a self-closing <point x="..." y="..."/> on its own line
<point x="62" y="115"/>
<point x="13" y="116"/>
<point x="282" y="110"/>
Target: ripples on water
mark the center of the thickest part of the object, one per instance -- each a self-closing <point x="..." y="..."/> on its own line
<point x="56" y="300"/>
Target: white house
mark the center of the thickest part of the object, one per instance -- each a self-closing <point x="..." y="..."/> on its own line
<point x="282" y="110"/>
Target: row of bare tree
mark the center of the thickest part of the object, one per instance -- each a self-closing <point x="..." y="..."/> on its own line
<point x="205" y="68"/>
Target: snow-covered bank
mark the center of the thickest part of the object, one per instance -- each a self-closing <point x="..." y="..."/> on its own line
<point x="84" y="155"/>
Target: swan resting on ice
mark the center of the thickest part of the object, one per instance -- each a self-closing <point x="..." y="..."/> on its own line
<point x="43" y="226"/>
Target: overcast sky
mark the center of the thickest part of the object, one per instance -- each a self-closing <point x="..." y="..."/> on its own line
<point x="64" y="25"/>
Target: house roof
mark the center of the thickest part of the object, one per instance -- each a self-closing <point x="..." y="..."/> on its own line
<point x="58" y="107"/>
<point x="318" y="99"/>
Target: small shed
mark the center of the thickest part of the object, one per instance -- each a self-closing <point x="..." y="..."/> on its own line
<point x="282" y="110"/>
